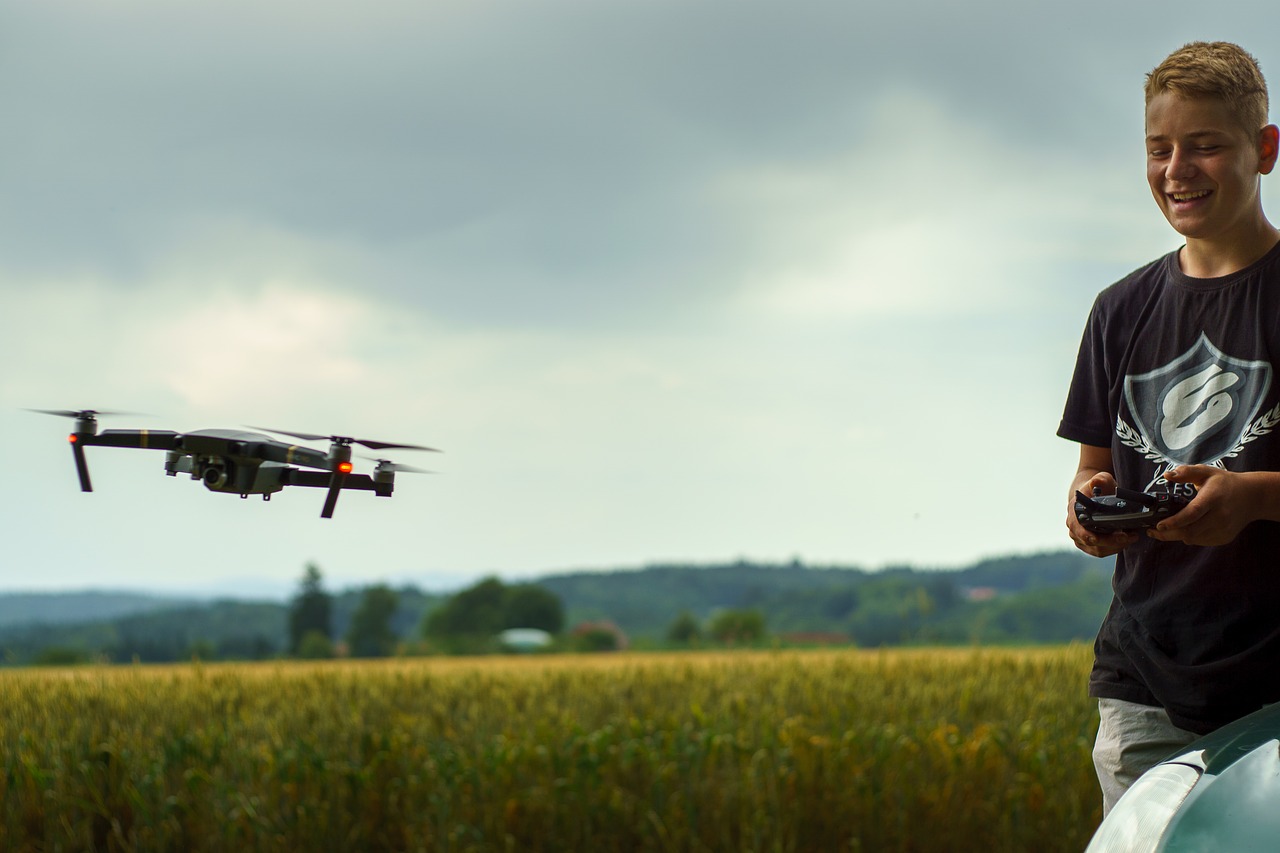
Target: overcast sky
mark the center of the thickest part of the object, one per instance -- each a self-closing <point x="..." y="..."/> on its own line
<point x="667" y="280"/>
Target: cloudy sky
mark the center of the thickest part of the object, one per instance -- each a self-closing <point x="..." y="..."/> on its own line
<point x="665" y="279"/>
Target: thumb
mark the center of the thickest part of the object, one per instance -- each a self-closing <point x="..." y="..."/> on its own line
<point x="1103" y="481"/>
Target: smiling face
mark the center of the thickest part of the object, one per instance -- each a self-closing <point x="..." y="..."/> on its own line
<point x="1203" y="168"/>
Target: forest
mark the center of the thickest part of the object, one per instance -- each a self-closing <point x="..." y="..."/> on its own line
<point x="1051" y="597"/>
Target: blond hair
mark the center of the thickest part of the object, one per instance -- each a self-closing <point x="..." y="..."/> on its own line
<point x="1217" y="69"/>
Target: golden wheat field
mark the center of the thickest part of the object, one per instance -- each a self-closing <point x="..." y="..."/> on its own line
<point x="911" y="750"/>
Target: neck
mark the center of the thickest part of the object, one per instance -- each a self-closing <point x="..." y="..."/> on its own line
<point x="1214" y="258"/>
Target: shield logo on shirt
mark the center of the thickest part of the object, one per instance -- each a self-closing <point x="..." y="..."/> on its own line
<point x="1195" y="409"/>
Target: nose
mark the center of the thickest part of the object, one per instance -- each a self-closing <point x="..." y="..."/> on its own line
<point x="1181" y="165"/>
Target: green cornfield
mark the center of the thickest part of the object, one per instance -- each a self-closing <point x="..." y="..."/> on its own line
<point x="904" y="750"/>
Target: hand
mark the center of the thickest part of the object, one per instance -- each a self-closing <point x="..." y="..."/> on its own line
<point x="1223" y="505"/>
<point x="1097" y="544"/>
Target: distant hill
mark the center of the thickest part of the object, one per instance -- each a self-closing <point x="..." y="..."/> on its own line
<point x="797" y="597"/>
<point x="127" y="626"/>
<point x="61" y="608"/>
<point x="1044" y="598"/>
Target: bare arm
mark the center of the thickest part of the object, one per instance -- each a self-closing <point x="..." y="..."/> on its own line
<point x="1095" y="471"/>
<point x="1225" y="502"/>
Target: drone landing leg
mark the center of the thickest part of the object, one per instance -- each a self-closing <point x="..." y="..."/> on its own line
<point x="82" y="467"/>
<point x="331" y="500"/>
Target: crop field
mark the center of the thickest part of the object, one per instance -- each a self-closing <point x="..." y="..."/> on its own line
<point x="905" y="750"/>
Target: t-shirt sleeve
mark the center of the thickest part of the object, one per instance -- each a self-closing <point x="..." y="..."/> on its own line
<point x="1087" y="416"/>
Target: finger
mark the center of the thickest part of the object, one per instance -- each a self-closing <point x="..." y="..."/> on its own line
<point x="1197" y="474"/>
<point x="1106" y="544"/>
<point x="1184" y="517"/>
<point x="1120" y="541"/>
<point x="1103" y="481"/>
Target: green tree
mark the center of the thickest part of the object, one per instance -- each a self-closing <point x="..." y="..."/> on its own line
<point x="370" y="634"/>
<point x="738" y="626"/>
<point x="202" y="650"/>
<point x="684" y="629"/>
<point x="891" y="610"/>
<point x="60" y="656"/>
<point x="476" y="610"/>
<point x="311" y="610"/>
<point x="489" y="607"/>
<point x="315" y="646"/>
<point x="531" y="606"/>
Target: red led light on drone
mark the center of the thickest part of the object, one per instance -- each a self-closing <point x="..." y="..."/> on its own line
<point x="72" y="438"/>
<point x="344" y="467"/>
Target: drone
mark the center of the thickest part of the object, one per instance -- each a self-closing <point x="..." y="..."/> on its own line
<point x="244" y="463"/>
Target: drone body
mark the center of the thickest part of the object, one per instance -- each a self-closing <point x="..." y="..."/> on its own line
<point x="240" y="462"/>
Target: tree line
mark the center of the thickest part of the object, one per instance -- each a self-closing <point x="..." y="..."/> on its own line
<point x="1048" y="598"/>
<point x="468" y="621"/>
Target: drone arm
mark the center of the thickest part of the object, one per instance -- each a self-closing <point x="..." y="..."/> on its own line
<point x="80" y="439"/>
<point x="321" y="480"/>
<point x="335" y="483"/>
<point x="152" y="439"/>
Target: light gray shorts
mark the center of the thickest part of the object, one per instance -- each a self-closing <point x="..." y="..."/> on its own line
<point x="1132" y="739"/>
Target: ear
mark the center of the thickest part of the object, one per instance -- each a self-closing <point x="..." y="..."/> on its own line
<point x="1268" y="148"/>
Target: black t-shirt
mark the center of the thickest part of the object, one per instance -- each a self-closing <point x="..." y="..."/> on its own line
<point x="1174" y="371"/>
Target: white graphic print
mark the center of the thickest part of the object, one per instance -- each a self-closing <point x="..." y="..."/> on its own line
<point x="1201" y="408"/>
<point x="1194" y="406"/>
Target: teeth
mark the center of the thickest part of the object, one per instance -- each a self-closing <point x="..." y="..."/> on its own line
<point x="1189" y="196"/>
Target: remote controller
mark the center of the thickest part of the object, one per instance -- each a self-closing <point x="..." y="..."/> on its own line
<point x="1130" y="510"/>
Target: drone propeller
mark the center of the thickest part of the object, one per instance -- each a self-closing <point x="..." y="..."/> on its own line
<point x="83" y="414"/>
<point x="345" y="441"/>
<point x="386" y="465"/>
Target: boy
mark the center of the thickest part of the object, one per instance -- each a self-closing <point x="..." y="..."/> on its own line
<point x="1173" y="385"/>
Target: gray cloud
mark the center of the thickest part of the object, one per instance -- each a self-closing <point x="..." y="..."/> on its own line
<point x="549" y="163"/>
